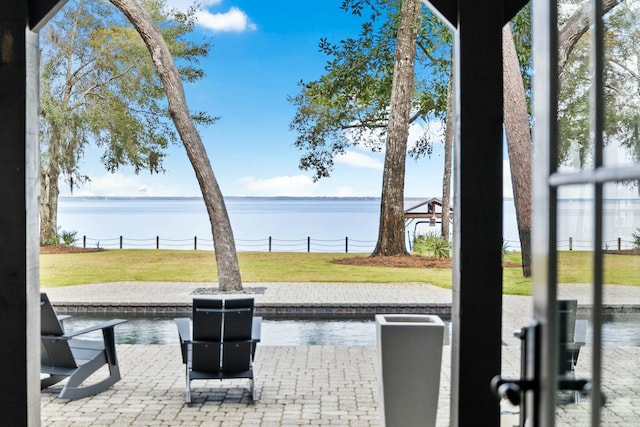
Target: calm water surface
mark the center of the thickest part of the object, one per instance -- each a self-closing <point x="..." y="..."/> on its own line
<point x="618" y="330"/>
<point x="162" y="330"/>
<point x="290" y="220"/>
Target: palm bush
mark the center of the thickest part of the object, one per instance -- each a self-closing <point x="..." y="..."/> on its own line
<point x="431" y="244"/>
<point x="69" y="237"/>
<point x="636" y="238"/>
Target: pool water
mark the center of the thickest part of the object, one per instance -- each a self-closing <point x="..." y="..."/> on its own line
<point x="618" y="330"/>
<point x="162" y="330"/>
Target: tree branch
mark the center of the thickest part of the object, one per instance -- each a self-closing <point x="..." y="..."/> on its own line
<point x="575" y="27"/>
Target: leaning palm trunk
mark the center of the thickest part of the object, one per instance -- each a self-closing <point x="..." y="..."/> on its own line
<point x="225" y="250"/>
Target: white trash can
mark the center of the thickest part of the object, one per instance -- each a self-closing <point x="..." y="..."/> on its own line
<point x="409" y="361"/>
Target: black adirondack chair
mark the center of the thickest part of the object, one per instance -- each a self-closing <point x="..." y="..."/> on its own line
<point x="572" y="336"/>
<point x="223" y="344"/>
<point x="67" y="356"/>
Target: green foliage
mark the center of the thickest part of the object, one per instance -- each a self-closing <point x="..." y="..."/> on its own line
<point x="69" y="237"/>
<point x="636" y="238"/>
<point x="505" y="248"/>
<point x="52" y="241"/>
<point x="66" y="237"/>
<point x="521" y="30"/>
<point x="98" y="85"/>
<point x="621" y="89"/>
<point x="622" y="38"/>
<point x="432" y="244"/>
<point x="349" y="104"/>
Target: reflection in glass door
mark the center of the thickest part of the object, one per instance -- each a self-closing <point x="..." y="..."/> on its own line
<point x="587" y="155"/>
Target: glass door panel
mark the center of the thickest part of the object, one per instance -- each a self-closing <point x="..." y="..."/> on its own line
<point x="587" y="171"/>
<point x="622" y="84"/>
<point x="621" y="325"/>
<point x="574" y="300"/>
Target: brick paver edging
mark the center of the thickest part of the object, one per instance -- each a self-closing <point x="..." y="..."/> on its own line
<point x="269" y="310"/>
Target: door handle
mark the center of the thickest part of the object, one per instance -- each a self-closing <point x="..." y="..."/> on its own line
<point x="515" y="390"/>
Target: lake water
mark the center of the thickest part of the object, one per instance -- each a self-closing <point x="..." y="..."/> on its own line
<point x="290" y="221"/>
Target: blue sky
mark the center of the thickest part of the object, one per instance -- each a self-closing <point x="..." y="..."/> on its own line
<point x="261" y="50"/>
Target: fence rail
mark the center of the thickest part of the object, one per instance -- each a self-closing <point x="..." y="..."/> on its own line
<point x="572" y="244"/>
<point x="270" y="244"/>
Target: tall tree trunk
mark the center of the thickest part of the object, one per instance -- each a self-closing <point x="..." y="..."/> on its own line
<point x="518" y="129"/>
<point x="225" y="249"/>
<point x="448" y="147"/>
<point x="49" y="203"/>
<point x="391" y="232"/>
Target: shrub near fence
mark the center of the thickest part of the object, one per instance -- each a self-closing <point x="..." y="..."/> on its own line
<point x="307" y="244"/>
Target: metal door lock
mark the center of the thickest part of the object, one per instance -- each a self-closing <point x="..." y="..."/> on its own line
<point x="512" y="390"/>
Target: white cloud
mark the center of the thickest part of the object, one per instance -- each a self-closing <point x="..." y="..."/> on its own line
<point x="298" y="185"/>
<point x="117" y="185"/>
<point x="359" y="160"/>
<point x="234" y="20"/>
<point x="184" y="5"/>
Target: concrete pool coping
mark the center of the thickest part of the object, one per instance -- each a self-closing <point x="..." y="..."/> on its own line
<point x="300" y="311"/>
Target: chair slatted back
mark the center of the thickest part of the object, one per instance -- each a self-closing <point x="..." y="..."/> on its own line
<point x="236" y="356"/>
<point x="567" y="354"/>
<point x="206" y="357"/>
<point x="567" y="310"/>
<point x="237" y="346"/>
<point x="222" y="335"/>
<point x="54" y="350"/>
<point x="238" y="319"/>
<point x="207" y="319"/>
<point x="49" y="323"/>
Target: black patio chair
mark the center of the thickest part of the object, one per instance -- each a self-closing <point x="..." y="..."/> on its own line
<point x="224" y="340"/>
<point x="572" y="336"/>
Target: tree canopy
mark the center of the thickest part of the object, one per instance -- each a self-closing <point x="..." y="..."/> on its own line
<point x="621" y="86"/>
<point x="349" y="104"/>
<point x="98" y="86"/>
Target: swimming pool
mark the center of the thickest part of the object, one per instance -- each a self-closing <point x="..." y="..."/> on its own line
<point x="162" y="330"/>
<point x="618" y="330"/>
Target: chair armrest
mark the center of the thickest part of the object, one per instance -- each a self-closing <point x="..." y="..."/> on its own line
<point x="184" y="329"/>
<point x="256" y="329"/>
<point x="184" y="333"/>
<point x="99" y="326"/>
<point x="580" y="332"/>
<point x="55" y="337"/>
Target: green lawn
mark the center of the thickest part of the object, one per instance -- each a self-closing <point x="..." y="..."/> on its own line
<point x="199" y="266"/>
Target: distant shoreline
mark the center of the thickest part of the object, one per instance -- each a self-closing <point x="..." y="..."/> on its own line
<point x="271" y="198"/>
<point x="230" y="197"/>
